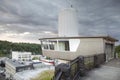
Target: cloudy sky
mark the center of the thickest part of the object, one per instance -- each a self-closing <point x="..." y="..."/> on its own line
<point x="29" y="20"/>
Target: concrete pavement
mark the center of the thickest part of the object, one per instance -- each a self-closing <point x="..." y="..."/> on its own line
<point x="109" y="71"/>
<point x="2" y="77"/>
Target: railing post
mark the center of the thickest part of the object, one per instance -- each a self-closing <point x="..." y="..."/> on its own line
<point x="63" y="71"/>
<point x="82" y="66"/>
<point x="66" y="71"/>
<point x="96" y="61"/>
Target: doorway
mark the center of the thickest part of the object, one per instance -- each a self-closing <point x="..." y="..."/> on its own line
<point x="109" y="51"/>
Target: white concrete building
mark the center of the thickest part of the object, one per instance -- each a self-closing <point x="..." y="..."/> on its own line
<point x="68" y="48"/>
<point x="12" y="67"/>
<point x="21" y="56"/>
<point x="69" y="45"/>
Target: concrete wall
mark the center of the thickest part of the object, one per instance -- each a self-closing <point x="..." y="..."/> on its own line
<point x="90" y="46"/>
<point x="86" y="47"/>
<point x="23" y="55"/>
<point x="10" y="70"/>
<point x="108" y="51"/>
<point x="66" y="55"/>
<point x="68" y="23"/>
<point x="15" y="55"/>
<point x="74" y="43"/>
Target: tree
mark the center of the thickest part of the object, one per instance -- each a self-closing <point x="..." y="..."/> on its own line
<point x="6" y="47"/>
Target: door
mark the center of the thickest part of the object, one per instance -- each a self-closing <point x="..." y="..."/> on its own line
<point x="109" y="51"/>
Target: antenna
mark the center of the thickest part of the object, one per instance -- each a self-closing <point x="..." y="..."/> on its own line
<point x="70" y="3"/>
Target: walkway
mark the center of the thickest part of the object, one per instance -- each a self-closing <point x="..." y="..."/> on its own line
<point x="109" y="71"/>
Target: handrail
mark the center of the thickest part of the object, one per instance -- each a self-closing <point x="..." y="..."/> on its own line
<point x="70" y="71"/>
<point x="76" y="76"/>
<point x="59" y="75"/>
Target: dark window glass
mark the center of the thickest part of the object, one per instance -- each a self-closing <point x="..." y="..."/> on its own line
<point x="45" y="46"/>
<point x="51" y="47"/>
<point x="67" y="46"/>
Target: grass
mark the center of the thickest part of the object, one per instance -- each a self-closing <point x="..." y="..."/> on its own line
<point x="45" y="75"/>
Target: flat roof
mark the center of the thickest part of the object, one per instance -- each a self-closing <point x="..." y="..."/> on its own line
<point x="14" y="63"/>
<point x="104" y="37"/>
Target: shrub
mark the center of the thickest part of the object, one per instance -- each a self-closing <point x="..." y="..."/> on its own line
<point x="35" y="58"/>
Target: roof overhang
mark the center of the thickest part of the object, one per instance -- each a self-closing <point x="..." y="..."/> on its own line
<point x="104" y="37"/>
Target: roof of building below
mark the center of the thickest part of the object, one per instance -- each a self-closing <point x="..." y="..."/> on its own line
<point x="104" y="37"/>
<point x="14" y="63"/>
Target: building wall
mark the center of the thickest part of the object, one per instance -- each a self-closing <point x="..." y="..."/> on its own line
<point x="86" y="47"/>
<point x="15" y="55"/>
<point x="109" y="48"/>
<point x="66" y="55"/>
<point x="90" y="46"/>
<point x="10" y="70"/>
<point x="74" y="43"/>
<point x="21" y="55"/>
<point x="68" y="23"/>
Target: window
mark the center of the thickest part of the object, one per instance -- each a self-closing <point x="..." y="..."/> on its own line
<point x="54" y="45"/>
<point x="51" y="47"/>
<point x="67" y="46"/>
<point x="45" y="46"/>
<point x="64" y="45"/>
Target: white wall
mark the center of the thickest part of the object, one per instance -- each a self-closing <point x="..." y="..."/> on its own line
<point x="68" y="23"/>
<point x="79" y="47"/>
<point x="15" y="55"/>
<point x="74" y="43"/>
<point x="90" y="46"/>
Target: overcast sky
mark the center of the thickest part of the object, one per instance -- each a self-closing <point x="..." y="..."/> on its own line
<point x="29" y="20"/>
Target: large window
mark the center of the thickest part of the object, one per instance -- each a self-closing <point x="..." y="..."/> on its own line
<point x="51" y="46"/>
<point x="57" y="45"/>
<point x="64" y="45"/>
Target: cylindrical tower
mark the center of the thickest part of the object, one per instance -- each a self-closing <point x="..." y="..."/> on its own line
<point x="68" y="23"/>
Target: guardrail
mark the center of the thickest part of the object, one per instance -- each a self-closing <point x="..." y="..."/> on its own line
<point x="78" y="67"/>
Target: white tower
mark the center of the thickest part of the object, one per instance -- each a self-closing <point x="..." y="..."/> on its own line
<point x="68" y="23"/>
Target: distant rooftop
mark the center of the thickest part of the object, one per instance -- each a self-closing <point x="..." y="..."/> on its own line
<point x="14" y="63"/>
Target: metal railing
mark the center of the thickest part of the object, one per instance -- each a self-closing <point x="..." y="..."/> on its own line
<point x="78" y="67"/>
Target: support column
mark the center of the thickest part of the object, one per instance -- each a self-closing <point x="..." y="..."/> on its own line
<point x="57" y="45"/>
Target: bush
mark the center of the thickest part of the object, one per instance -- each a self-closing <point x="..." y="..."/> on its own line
<point x="35" y="58"/>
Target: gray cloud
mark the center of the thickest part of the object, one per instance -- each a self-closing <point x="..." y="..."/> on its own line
<point x="96" y="17"/>
<point x="99" y="16"/>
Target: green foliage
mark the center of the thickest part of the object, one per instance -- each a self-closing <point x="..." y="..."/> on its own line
<point x="35" y="58"/>
<point x="34" y="48"/>
<point x="6" y="47"/>
<point x="117" y="50"/>
<point x="48" y="58"/>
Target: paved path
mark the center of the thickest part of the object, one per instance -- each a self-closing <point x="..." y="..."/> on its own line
<point x="114" y="63"/>
<point x="109" y="71"/>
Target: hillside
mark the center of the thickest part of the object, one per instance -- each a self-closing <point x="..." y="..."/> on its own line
<point x="6" y="47"/>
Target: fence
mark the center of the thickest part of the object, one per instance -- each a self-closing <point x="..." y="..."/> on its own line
<point x="78" y="67"/>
